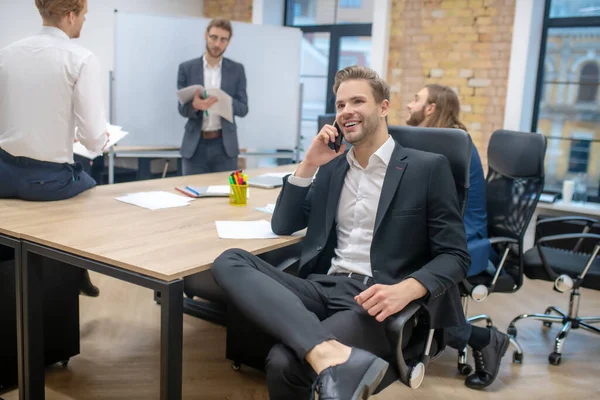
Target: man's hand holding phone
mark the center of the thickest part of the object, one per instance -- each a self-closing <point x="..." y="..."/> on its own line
<point x="319" y="153"/>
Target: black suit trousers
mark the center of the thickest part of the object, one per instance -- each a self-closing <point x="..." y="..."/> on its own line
<point x="300" y="313"/>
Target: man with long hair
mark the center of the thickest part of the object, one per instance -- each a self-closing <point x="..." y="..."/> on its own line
<point x="437" y="106"/>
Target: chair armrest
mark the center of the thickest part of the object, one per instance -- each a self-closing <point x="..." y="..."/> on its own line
<point x="566" y="236"/>
<point x="586" y="229"/>
<point x="581" y="236"/>
<point x="496" y="240"/>
<point x="396" y="330"/>
<point x="590" y="221"/>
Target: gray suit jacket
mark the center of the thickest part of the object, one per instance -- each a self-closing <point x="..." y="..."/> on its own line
<point x="418" y="230"/>
<point x="233" y="82"/>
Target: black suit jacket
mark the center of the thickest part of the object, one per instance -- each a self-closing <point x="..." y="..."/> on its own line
<point x="418" y="231"/>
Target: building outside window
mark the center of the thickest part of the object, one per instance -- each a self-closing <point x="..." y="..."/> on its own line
<point x="567" y="109"/>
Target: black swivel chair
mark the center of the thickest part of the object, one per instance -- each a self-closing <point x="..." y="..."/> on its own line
<point x="456" y="146"/>
<point x="415" y="343"/>
<point x="570" y="270"/>
<point x="514" y="183"/>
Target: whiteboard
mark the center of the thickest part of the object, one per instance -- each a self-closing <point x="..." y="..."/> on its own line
<point x="148" y="51"/>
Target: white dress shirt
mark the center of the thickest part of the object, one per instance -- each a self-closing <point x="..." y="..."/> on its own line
<point x="355" y="216"/>
<point x="49" y="86"/>
<point x="212" y="80"/>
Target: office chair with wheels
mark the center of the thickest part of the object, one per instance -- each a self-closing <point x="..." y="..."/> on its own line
<point x="456" y="146"/>
<point x="514" y="183"/>
<point x="570" y="270"/>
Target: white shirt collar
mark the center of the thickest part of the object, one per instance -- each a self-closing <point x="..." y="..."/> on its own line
<point x="207" y="66"/>
<point x="54" y="31"/>
<point x="383" y="153"/>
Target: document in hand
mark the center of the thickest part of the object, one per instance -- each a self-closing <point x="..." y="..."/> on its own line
<point x="115" y="134"/>
<point x="223" y="107"/>
<point x="245" y="230"/>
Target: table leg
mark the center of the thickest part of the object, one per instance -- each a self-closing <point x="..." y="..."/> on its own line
<point x="31" y="350"/>
<point x="171" y="340"/>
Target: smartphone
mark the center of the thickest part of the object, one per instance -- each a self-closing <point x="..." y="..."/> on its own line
<point x="338" y="140"/>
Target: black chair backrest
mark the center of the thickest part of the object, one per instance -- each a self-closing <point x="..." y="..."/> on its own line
<point x="454" y="144"/>
<point x="514" y="181"/>
<point x="325" y="119"/>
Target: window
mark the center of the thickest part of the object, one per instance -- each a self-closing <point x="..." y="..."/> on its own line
<point x="574" y="8"/>
<point x="328" y="12"/>
<point x="567" y="105"/>
<point x="350" y="3"/>
<point x="579" y="154"/>
<point x="336" y="34"/>
<point x="588" y="83"/>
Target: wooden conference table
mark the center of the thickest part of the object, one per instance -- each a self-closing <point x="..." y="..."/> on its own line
<point x="153" y="249"/>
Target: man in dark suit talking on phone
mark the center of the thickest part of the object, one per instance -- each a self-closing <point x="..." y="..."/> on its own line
<point x="384" y="229"/>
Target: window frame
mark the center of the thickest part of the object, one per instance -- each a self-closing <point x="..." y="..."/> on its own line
<point x="550" y="23"/>
<point x="336" y="33"/>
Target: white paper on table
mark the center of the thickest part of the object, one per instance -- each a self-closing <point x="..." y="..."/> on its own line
<point x="155" y="200"/>
<point x="245" y="230"/>
<point x="223" y="107"/>
<point x="115" y="134"/>
<point x="218" y="189"/>
<point x="269" y="208"/>
<point x="277" y="174"/>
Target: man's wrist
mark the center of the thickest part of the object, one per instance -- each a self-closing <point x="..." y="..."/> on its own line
<point x="414" y="288"/>
<point x="306" y="170"/>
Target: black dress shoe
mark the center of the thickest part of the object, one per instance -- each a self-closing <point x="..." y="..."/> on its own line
<point x="86" y="287"/>
<point x="487" y="360"/>
<point x="356" y="379"/>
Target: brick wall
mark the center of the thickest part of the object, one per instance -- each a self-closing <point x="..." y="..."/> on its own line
<point x="464" y="44"/>
<point x="236" y="10"/>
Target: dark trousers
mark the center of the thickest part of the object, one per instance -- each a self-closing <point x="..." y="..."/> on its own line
<point x="458" y="337"/>
<point x="300" y="313"/>
<point x="28" y="179"/>
<point x="209" y="157"/>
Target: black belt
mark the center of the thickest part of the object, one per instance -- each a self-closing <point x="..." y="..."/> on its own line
<point x="366" y="280"/>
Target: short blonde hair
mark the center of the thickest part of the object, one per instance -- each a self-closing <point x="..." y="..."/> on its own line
<point x="55" y="10"/>
<point x="381" y="90"/>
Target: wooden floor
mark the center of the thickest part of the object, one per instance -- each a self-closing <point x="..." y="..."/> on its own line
<point x="120" y="354"/>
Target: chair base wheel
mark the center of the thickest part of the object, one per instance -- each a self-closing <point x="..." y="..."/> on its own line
<point x="547" y="324"/>
<point x="554" y="358"/>
<point x="417" y="373"/>
<point x="465" y="369"/>
<point x="517" y="358"/>
<point x="512" y="331"/>
<point x="236" y="366"/>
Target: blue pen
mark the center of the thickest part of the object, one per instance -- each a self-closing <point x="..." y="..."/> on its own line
<point x="192" y="190"/>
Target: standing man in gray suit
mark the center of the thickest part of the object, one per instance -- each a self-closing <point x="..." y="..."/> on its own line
<point x="210" y="143"/>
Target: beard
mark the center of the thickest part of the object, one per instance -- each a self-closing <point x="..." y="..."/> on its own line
<point x="416" y="118"/>
<point x="216" y="53"/>
<point x="368" y="129"/>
